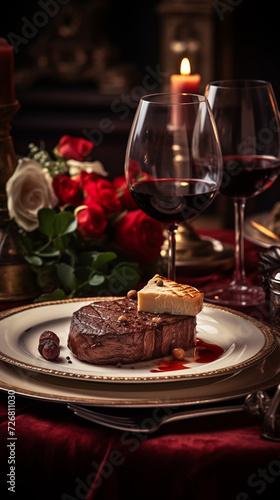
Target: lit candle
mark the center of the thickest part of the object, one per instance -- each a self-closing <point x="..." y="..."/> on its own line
<point x="7" y="79"/>
<point x="185" y="82"/>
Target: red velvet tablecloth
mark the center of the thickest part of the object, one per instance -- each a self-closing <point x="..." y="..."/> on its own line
<point x="59" y="456"/>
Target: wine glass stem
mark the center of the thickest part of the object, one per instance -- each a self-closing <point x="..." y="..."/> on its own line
<point x="239" y="276"/>
<point x="172" y="230"/>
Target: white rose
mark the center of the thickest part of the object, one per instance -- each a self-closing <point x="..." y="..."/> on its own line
<point x="29" y="190"/>
<point x="75" y="167"/>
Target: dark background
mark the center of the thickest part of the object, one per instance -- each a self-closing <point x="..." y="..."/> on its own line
<point x="246" y="45"/>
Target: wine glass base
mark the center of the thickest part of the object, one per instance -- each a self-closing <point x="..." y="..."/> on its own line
<point x="234" y="295"/>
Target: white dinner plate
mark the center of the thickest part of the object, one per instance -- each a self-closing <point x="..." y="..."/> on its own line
<point x="244" y="341"/>
<point x="261" y="376"/>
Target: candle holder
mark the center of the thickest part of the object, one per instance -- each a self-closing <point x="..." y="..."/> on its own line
<point x="16" y="282"/>
<point x="198" y="255"/>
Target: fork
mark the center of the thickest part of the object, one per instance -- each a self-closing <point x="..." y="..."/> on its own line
<point x="255" y="404"/>
<point x="148" y="423"/>
<point x="271" y="422"/>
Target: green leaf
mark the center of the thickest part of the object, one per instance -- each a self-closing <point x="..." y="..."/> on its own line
<point x="34" y="260"/>
<point x="87" y="258"/>
<point x="96" y="280"/>
<point x="61" y="243"/>
<point x="102" y="259"/>
<point x="57" y="294"/>
<point x="46" y="218"/>
<point x="26" y="244"/>
<point x="83" y="274"/>
<point x="123" y="278"/>
<point x="64" y="223"/>
<point x="71" y="256"/>
<point x="51" y="252"/>
<point x="66" y="275"/>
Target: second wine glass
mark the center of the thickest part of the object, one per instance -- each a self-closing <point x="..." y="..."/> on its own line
<point x="173" y="162"/>
<point x="247" y="119"/>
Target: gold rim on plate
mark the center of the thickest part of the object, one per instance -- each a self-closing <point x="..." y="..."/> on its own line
<point x="266" y="330"/>
<point x="261" y="376"/>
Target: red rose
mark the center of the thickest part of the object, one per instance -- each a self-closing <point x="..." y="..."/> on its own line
<point x="87" y="177"/>
<point x="67" y="190"/>
<point x="134" y="170"/>
<point x="91" y="221"/>
<point x="103" y="193"/>
<point x="123" y="193"/>
<point x="139" y="236"/>
<point x="74" y="148"/>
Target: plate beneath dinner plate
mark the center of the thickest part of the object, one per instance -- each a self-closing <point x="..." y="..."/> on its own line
<point x="244" y="341"/>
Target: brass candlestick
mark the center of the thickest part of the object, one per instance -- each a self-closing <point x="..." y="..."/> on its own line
<point x="15" y="280"/>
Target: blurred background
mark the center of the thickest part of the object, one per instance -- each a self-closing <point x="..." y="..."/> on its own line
<point x="82" y="66"/>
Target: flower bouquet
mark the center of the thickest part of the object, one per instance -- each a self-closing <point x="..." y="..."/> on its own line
<point x="80" y="233"/>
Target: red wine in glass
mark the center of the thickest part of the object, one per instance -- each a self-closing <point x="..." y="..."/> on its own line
<point x="246" y="176"/>
<point x="247" y="119"/>
<point x="173" y="163"/>
<point x="173" y="200"/>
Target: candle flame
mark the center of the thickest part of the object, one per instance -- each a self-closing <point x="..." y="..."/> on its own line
<point x="185" y="67"/>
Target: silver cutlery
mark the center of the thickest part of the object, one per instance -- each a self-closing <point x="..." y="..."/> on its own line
<point x="148" y="421"/>
<point x="263" y="230"/>
<point x="271" y="421"/>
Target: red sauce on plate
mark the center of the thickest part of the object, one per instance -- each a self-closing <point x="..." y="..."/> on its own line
<point x="203" y="352"/>
<point x="170" y="365"/>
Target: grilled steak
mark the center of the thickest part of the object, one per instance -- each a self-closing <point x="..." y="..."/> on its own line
<point x="111" y="332"/>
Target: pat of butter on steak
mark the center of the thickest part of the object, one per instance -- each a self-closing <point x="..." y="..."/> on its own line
<point x="162" y="295"/>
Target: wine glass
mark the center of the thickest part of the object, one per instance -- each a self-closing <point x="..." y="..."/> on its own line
<point x="247" y="119"/>
<point x="173" y="162"/>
